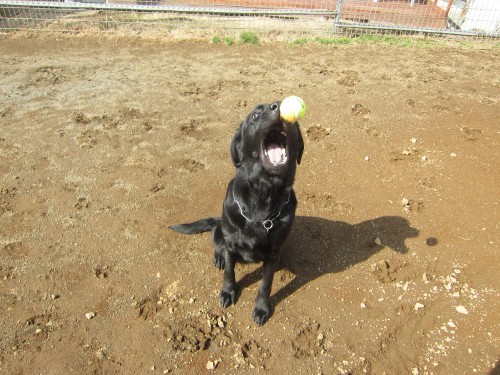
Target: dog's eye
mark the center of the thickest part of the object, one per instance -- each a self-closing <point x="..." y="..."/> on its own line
<point x="255" y="115"/>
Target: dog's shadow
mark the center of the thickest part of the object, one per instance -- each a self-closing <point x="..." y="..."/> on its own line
<point x="316" y="247"/>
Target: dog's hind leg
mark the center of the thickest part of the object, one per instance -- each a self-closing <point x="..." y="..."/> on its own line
<point x="219" y="246"/>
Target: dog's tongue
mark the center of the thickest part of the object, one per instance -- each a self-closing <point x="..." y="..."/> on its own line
<point x="275" y="153"/>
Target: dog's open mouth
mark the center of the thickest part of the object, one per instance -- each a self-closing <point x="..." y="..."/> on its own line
<point x="275" y="146"/>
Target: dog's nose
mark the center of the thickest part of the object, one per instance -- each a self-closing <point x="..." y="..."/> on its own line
<point x="275" y="106"/>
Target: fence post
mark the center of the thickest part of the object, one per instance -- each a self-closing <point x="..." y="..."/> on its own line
<point x="450" y="3"/>
<point x="337" y="15"/>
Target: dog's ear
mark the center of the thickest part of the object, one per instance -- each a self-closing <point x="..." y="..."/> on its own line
<point x="237" y="148"/>
<point x="301" y="146"/>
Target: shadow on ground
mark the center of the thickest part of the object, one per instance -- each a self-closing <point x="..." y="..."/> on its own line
<point x="317" y="247"/>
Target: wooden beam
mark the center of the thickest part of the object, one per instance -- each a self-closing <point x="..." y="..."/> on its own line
<point x="450" y="3"/>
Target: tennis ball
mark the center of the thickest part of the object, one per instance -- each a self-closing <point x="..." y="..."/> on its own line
<point x="292" y="109"/>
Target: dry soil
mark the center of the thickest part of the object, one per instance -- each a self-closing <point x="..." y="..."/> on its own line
<point x="390" y="266"/>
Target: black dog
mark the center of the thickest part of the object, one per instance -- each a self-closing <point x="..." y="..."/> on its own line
<point x="260" y="203"/>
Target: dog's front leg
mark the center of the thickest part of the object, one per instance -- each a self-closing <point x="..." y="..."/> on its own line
<point x="228" y="291"/>
<point x="219" y="246"/>
<point x="262" y="309"/>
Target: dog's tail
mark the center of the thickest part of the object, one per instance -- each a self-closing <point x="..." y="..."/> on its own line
<point x="200" y="226"/>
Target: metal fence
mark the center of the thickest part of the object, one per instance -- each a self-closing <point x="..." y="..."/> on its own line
<point x="480" y="18"/>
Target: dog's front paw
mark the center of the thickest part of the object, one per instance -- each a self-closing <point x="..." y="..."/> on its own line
<point x="227" y="297"/>
<point x="261" y="314"/>
<point x="219" y="261"/>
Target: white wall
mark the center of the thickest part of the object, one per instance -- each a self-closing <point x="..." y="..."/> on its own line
<point x="482" y="16"/>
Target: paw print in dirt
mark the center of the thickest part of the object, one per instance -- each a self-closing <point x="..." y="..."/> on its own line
<point x="192" y="335"/>
<point x="309" y="341"/>
<point x="348" y="78"/>
<point x="83" y="202"/>
<point x="33" y="333"/>
<point x="252" y="354"/>
<point x="317" y="133"/>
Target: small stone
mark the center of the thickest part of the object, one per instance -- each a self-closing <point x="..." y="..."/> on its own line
<point x="407" y="152"/>
<point x="423" y="158"/>
<point x="419" y="306"/>
<point x="461" y="309"/>
<point x="406" y="286"/>
<point x="453" y="155"/>
<point x="38" y="331"/>
<point x="192" y="300"/>
<point x="101" y="353"/>
<point x="90" y="315"/>
<point x="211" y="365"/>
<point x="451" y="324"/>
<point x="407" y="204"/>
<point x="220" y="322"/>
<point x="378" y="241"/>
<point x="363" y="305"/>
<point x="414" y="140"/>
<point x="367" y="158"/>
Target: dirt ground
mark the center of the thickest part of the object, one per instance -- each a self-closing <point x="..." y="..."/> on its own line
<point x="390" y="267"/>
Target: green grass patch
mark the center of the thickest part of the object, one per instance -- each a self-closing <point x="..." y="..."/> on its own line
<point x="333" y="41"/>
<point x="227" y="40"/>
<point x="426" y="42"/>
<point x="395" y="40"/>
<point x="404" y="42"/>
<point x="368" y="39"/>
<point x="466" y="43"/>
<point x="300" y="41"/>
<point x="247" y="37"/>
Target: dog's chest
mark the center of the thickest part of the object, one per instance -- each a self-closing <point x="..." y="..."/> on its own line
<point x="253" y="255"/>
<point x="251" y="249"/>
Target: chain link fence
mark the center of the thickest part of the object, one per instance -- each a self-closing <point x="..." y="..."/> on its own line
<point x="478" y="18"/>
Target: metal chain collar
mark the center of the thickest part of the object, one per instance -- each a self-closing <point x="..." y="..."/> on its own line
<point x="268" y="223"/>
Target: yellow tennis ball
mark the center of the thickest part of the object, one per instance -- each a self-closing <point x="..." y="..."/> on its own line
<point x="292" y="109"/>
